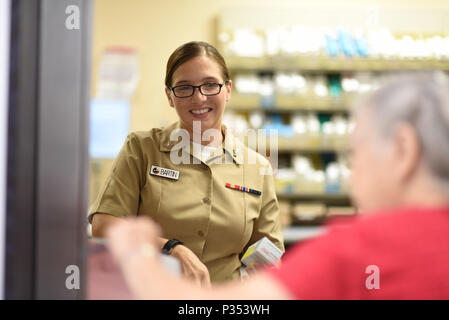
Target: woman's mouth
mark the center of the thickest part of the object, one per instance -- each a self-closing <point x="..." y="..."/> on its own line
<point x="200" y="112"/>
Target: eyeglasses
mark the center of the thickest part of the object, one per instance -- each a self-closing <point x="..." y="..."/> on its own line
<point x="206" y="89"/>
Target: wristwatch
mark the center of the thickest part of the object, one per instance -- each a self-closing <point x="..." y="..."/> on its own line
<point x="170" y="244"/>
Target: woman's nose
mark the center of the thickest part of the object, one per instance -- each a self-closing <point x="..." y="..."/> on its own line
<point x="198" y="96"/>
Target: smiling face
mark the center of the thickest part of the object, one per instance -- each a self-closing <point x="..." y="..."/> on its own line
<point x="206" y="109"/>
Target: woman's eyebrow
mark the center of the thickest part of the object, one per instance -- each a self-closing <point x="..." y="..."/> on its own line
<point x="209" y="78"/>
<point x="181" y="82"/>
<point x="187" y="82"/>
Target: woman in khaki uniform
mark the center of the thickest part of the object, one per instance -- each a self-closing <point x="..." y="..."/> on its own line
<point x="212" y="196"/>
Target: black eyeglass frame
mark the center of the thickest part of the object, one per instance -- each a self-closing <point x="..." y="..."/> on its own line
<point x="172" y="89"/>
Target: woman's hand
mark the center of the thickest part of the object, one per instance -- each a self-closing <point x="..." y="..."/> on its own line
<point x="191" y="266"/>
<point x="127" y="238"/>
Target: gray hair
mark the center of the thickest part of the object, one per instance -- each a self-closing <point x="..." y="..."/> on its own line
<point x="422" y="100"/>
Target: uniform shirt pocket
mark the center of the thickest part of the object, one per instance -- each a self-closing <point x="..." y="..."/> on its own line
<point x="252" y="206"/>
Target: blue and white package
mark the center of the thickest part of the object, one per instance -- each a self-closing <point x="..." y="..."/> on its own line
<point x="332" y="47"/>
<point x="347" y="43"/>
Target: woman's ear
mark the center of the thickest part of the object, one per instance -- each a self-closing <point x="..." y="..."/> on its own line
<point x="228" y="90"/>
<point x="407" y="151"/>
<point x="170" y="100"/>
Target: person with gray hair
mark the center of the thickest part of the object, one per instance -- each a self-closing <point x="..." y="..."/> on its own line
<point x="397" y="249"/>
<point x="411" y="109"/>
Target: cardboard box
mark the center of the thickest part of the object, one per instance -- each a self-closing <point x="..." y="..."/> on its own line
<point x="263" y="252"/>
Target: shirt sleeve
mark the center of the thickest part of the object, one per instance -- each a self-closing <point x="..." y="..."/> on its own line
<point x="119" y="195"/>
<point x="268" y="223"/>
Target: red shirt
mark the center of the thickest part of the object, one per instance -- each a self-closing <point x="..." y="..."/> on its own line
<point x="409" y="248"/>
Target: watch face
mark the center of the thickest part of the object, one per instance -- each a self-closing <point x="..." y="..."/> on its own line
<point x="166" y="249"/>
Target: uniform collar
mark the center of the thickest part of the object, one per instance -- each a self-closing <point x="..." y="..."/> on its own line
<point x="165" y="143"/>
<point x="231" y="144"/>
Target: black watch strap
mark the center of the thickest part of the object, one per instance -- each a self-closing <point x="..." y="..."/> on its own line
<point x="170" y="244"/>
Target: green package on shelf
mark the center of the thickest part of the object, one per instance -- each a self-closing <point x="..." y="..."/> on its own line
<point x="335" y="85"/>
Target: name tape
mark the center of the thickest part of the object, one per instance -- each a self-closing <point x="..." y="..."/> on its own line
<point x="164" y="172"/>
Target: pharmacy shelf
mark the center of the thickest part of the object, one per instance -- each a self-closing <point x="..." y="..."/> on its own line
<point x="337" y="64"/>
<point x="285" y="148"/>
<point x="304" y="108"/>
<point x="327" y="198"/>
<point x="292" y="145"/>
<point x="298" y="144"/>
<point x="282" y="102"/>
<point x="312" y="195"/>
<point x="295" y="234"/>
<point x="286" y="105"/>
